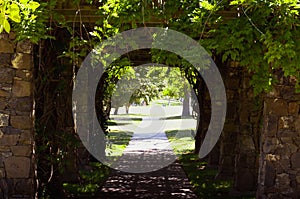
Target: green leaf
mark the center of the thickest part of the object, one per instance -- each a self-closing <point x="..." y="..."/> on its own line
<point x="24" y="1"/>
<point x="14" y="13"/>
<point x="33" y="5"/>
<point x="6" y="26"/>
<point x="15" y="18"/>
<point x="206" y="5"/>
<point x="1" y="28"/>
<point x="14" y="8"/>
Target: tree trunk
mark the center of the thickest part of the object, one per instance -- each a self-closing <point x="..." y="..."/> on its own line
<point x="200" y="93"/>
<point x="186" y="102"/>
<point x="116" y="111"/>
<point x="127" y="108"/>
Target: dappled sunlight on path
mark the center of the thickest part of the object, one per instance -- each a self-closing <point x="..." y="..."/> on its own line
<point x="168" y="183"/>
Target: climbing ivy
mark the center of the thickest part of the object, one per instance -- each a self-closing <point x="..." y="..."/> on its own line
<point x="264" y="37"/>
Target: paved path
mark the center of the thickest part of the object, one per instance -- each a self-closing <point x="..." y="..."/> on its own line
<point x="148" y="150"/>
<point x="148" y="166"/>
<point x="167" y="183"/>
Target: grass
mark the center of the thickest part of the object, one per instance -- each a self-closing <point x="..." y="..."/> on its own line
<point x="181" y="141"/>
<point x="93" y="179"/>
<point x="117" y="142"/>
<point x="201" y="177"/>
<point x="115" y="123"/>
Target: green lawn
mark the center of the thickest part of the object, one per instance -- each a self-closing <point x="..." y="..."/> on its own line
<point x="181" y="141"/>
<point x="117" y="142"/>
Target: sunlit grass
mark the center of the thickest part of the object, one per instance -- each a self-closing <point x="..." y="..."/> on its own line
<point x="117" y="142"/>
<point x="181" y="141"/>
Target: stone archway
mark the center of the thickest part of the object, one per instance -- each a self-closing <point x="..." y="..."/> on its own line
<point x="278" y="166"/>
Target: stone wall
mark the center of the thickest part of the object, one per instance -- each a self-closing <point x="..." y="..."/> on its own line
<point x="247" y="147"/>
<point x="279" y="175"/>
<point x="232" y="81"/>
<point x="239" y="143"/>
<point x="16" y="119"/>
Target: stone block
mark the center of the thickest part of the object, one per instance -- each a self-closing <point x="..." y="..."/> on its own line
<point x="288" y="93"/>
<point x="270" y="145"/>
<point x="9" y="140"/>
<point x="5" y="149"/>
<point x="285" y="122"/>
<point x="22" y="61"/>
<point x="275" y="92"/>
<point x="17" y="167"/>
<point x="23" y="104"/>
<point x="24" y="75"/>
<point x="4" y="93"/>
<point x="21" y="122"/>
<point x="283" y="133"/>
<point x="2" y="173"/>
<point x="24" y="47"/>
<point x="7" y="46"/>
<point x="6" y="75"/>
<point x="272" y="157"/>
<point x="293" y="108"/>
<point x="295" y="160"/>
<point x="21" y="150"/>
<point x="297" y="125"/>
<point x="24" y="187"/>
<point x="6" y="154"/>
<point x="12" y="35"/>
<point x="26" y="138"/>
<point x="5" y="60"/>
<point x="4" y="119"/>
<point x="1" y="134"/>
<point x="283" y="181"/>
<point x="277" y="107"/>
<point x="9" y="130"/>
<point x="3" y="103"/>
<point x="22" y="88"/>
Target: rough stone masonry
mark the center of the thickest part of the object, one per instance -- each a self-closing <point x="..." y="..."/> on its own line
<point x="16" y="118"/>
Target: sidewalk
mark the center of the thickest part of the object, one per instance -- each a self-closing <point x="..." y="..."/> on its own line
<point x="148" y="166"/>
<point x="167" y="183"/>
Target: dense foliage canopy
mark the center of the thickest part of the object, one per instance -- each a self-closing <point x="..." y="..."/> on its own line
<point x="261" y="35"/>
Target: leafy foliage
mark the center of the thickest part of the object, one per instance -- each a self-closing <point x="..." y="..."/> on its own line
<point x="263" y="37"/>
<point x="15" y="10"/>
<point x="27" y="17"/>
